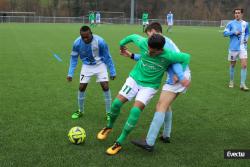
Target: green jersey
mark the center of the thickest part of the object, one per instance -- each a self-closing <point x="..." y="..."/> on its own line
<point x="91" y="16"/>
<point x="149" y="70"/>
<point x="145" y="17"/>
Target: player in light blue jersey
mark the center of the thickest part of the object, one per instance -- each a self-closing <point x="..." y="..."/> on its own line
<point x="98" y="18"/>
<point x="94" y="54"/>
<point x="238" y="31"/>
<point x="170" y="21"/>
<point x="171" y="89"/>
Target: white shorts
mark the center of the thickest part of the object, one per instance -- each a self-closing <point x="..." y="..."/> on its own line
<point x="145" y="23"/>
<point x="131" y="89"/>
<point x="92" y="21"/>
<point x="235" y="55"/>
<point x="170" y="23"/>
<point x="178" y="88"/>
<point x="98" y="21"/>
<point x="99" y="70"/>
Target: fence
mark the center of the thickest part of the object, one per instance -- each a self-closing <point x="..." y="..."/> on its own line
<point x="118" y="20"/>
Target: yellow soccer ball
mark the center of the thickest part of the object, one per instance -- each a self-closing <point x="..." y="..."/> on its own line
<point x="77" y="135"/>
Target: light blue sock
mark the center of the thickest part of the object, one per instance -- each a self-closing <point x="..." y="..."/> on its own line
<point x="231" y="71"/>
<point x="81" y="97"/>
<point x="108" y="100"/>
<point x="167" y="127"/>
<point x="243" y="74"/>
<point x="155" y="127"/>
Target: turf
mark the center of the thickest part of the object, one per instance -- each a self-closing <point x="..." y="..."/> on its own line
<point x="36" y="102"/>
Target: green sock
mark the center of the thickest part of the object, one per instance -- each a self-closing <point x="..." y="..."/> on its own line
<point x="114" y="112"/>
<point x="130" y="124"/>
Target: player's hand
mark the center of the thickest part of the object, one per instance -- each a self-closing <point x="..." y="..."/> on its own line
<point x="185" y="82"/>
<point x="112" y="77"/>
<point x="175" y="79"/>
<point x="237" y="33"/>
<point x="69" y="78"/>
<point x="125" y="53"/>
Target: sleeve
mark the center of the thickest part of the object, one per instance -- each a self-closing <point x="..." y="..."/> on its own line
<point x="73" y="60"/>
<point x="107" y="57"/>
<point x="136" y="39"/>
<point x="178" y="70"/>
<point x="178" y="57"/>
<point x="227" y="31"/>
<point x="247" y="32"/>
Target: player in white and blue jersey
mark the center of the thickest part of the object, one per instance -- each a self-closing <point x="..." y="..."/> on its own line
<point x="98" y="18"/>
<point x="170" y="21"/>
<point x="238" y="31"/>
<point x="94" y="54"/>
<point x="170" y="90"/>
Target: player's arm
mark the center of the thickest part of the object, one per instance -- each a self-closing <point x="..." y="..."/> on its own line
<point x="176" y="74"/>
<point x="107" y="58"/>
<point x="178" y="57"/>
<point x="127" y="53"/>
<point x="136" y="39"/>
<point x="246" y="33"/>
<point x="73" y="62"/>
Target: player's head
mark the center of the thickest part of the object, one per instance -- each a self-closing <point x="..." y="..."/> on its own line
<point x="153" y="28"/>
<point x="155" y="44"/>
<point x="238" y="13"/>
<point x="86" y="34"/>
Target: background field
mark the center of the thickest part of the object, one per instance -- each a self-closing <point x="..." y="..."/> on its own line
<point x="36" y="102"/>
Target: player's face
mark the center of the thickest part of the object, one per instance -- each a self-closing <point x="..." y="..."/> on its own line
<point x="86" y="36"/>
<point x="151" y="32"/>
<point x="154" y="52"/>
<point x="238" y="14"/>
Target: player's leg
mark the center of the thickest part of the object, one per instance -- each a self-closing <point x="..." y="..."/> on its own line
<point x="243" y="60"/>
<point x="84" y="79"/>
<point x="166" y="98"/>
<point x="128" y="91"/>
<point x="232" y="56"/>
<point x="142" y="99"/>
<point x="102" y="77"/>
<point x="107" y="95"/>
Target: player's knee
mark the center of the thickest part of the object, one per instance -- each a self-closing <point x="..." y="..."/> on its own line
<point x="105" y="88"/>
<point x="244" y="66"/>
<point x="116" y="104"/>
<point x="82" y="87"/>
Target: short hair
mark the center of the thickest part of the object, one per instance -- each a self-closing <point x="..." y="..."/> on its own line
<point x="156" y="41"/>
<point x="85" y="28"/>
<point x="241" y="10"/>
<point x="154" y="25"/>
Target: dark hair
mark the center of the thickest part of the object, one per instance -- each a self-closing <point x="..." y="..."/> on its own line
<point x="156" y="41"/>
<point x="85" y="28"/>
<point x="154" y="25"/>
<point x="241" y="10"/>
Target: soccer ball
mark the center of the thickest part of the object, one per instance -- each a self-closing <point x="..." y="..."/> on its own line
<point x="77" y="135"/>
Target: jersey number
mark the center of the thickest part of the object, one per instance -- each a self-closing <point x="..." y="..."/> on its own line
<point x="82" y="76"/>
<point x="127" y="89"/>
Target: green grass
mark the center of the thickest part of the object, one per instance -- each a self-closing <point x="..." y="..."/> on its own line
<point x="36" y="102"/>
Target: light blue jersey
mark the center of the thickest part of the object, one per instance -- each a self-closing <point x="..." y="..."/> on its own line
<point x="170" y="18"/>
<point x="94" y="53"/>
<point x="237" y="42"/>
<point x="172" y="69"/>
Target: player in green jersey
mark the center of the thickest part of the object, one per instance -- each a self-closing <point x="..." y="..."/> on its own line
<point x="92" y="19"/>
<point x="142" y="83"/>
<point x="144" y="21"/>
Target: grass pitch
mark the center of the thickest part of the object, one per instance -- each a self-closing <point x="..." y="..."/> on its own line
<point x="36" y="102"/>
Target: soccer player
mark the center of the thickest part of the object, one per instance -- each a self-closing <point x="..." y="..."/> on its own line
<point x="92" y="19"/>
<point x="170" y="91"/>
<point x="95" y="56"/>
<point x="238" y="31"/>
<point x="142" y="83"/>
<point x="98" y="18"/>
<point x="170" y="21"/>
<point x="144" y="21"/>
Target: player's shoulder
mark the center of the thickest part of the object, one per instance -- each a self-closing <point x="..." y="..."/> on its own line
<point x="98" y="38"/>
<point x="78" y="40"/>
